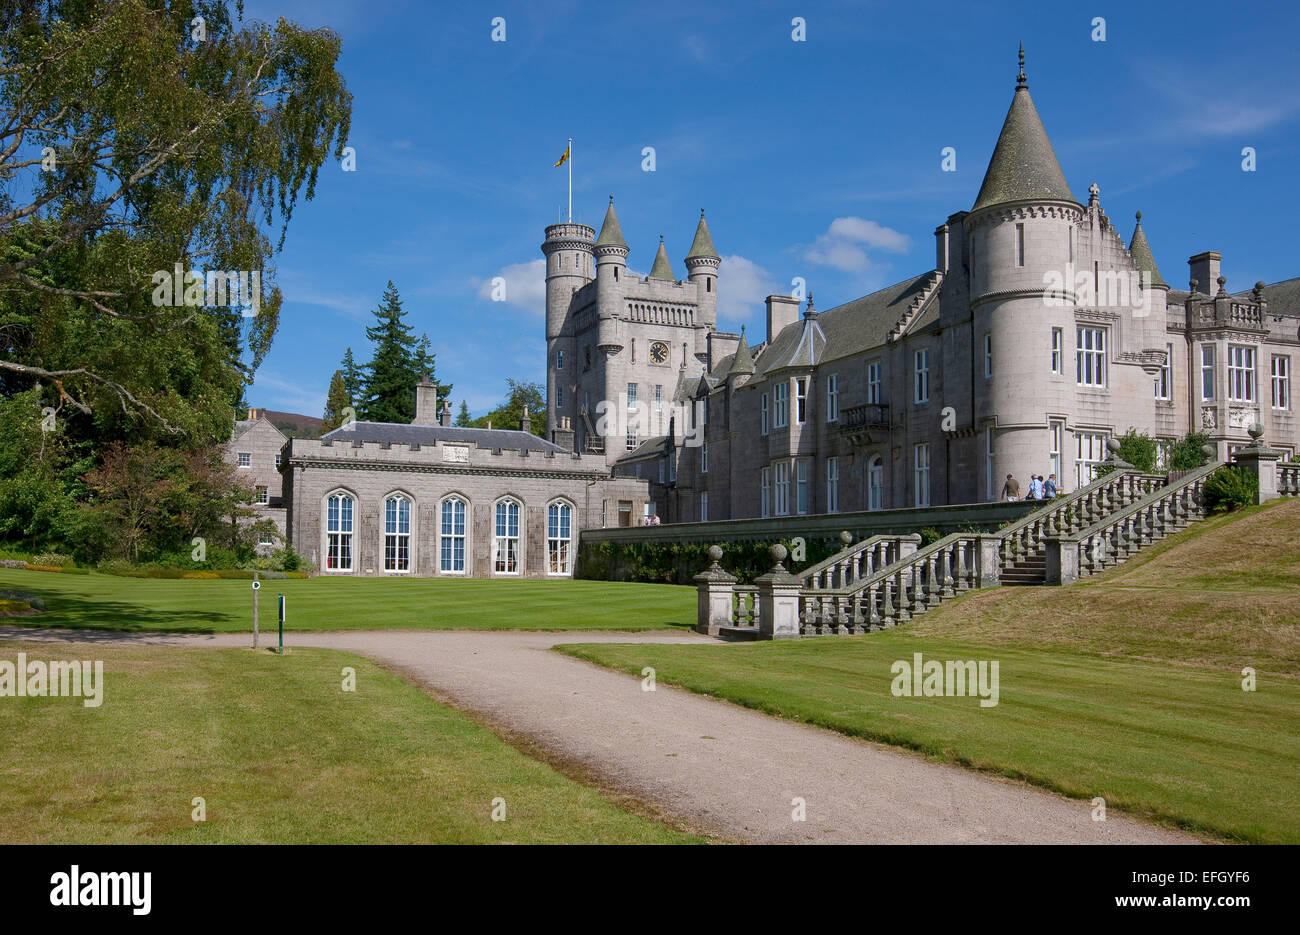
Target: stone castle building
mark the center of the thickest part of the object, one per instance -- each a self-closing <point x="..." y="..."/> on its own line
<point x="1037" y="335"/>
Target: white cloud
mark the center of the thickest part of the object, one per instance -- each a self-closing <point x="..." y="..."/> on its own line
<point x="525" y="286"/>
<point x="844" y="245"/>
<point x="742" y="287"/>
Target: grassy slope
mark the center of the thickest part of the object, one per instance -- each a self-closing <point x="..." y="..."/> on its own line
<point x="328" y="603"/>
<point x="281" y="754"/>
<point x="1127" y="686"/>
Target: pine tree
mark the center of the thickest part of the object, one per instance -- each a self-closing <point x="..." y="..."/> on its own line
<point x="336" y="405"/>
<point x="352" y="379"/>
<point x="390" y="378"/>
<point x="424" y="365"/>
<point x="462" y="418"/>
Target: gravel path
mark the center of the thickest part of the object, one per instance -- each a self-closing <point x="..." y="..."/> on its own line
<point x="714" y="766"/>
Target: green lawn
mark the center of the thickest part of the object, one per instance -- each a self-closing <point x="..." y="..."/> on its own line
<point x="280" y="753"/>
<point x="1127" y="686"/>
<point x="346" y="603"/>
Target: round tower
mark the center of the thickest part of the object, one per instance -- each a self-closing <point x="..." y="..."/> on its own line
<point x="1022" y="231"/>
<point x="702" y="269"/>
<point x="569" y="266"/>
<point x="611" y="266"/>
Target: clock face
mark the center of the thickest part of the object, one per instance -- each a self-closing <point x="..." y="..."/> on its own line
<point x="659" y="353"/>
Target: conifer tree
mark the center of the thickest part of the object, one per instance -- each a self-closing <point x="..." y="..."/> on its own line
<point x="336" y="404"/>
<point x="352" y="379"/>
<point x="462" y="417"/>
<point x="388" y="394"/>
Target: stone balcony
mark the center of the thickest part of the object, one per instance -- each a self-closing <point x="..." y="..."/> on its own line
<point x="858" y="423"/>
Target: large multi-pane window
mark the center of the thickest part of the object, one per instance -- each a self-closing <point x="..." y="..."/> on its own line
<point x="922" y="464"/>
<point x="832" y="485"/>
<point x="765" y="414"/>
<point x="876" y="484"/>
<point x="1241" y="373"/>
<point x="631" y="440"/>
<point x="338" y="532"/>
<point x="781" y="405"/>
<point x="1207" y="371"/>
<point x="921" y="369"/>
<point x="1057" y="430"/>
<point x="505" y="544"/>
<point x="659" y="397"/>
<point x="1165" y="379"/>
<point x="245" y="459"/>
<point x="559" y="539"/>
<point x="397" y="534"/>
<point x="873" y="382"/>
<point x="1281" y="378"/>
<point x="832" y="397"/>
<point x="801" y="486"/>
<point x="1090" y="451"/>
<point x="1058" y="342"/>
<point x="801" y="400"/>
<point x="263" y="494"/>
<point x="631" y="395"/>
<point x="765" y="489"/>
<point x="782" y="504"/>
<point x="451" y="539"/>
<point x="1090" y="356"/>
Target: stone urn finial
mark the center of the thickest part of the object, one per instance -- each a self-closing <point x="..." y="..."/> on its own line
<point x="1112" y="445"/>
<point x="778" y="553"/>
<point x="847" y="538"/>
<point x="1255" y="431"/>
<point x="715" y="554"/>
<point x="1209" y="451"/>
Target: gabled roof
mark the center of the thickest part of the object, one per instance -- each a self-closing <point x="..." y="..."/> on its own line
<point x="1024" y="165"/>
<point x="702" y="245"/>
<point x="611" y="235"/>
<point x="662" y="269"/>
<point x="395" y="433"/>
<point x="655" y="447"/>
<point x="243" y="426"/>
<point x="1140" y="250"/>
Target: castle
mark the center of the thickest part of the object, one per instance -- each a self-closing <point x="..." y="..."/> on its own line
<point x="1037" y="336"/>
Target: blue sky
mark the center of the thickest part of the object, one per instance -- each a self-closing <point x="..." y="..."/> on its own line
<point x="819" y="159"/>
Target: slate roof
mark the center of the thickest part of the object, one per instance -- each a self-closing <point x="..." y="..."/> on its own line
<point x="1140" y="250"/>
<point x="393" y="433"/>
<point x="611" y="235"/>
<point x="1024" y="165"/>
<point x="655" y="447"/>
<point x="702" y="245"/>
<point x="662" y="269"/>
<point x="742" y="361"/>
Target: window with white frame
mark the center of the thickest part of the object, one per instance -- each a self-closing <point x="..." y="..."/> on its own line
<point x="876" y="484"/>
<point x="921" y="371"/>
<point x="833" y="398"/>
<point x="1090" y="451"/>
<point x="1058" y="351"/>
<point x="559" y="360"/>
<point x="559" y="539"/>
<point x="704" y="458"/>
<point x="832" y="485"/>
<point x="704" y="506"/>
<point x="631" y="396"/>
<point x="1165" y="378"/>
<point x="559" y="397"/>
<point x="988" y="356"/>
<point x="1281" y="381"/>
<point x="873" y="382"/>
<point x="1057" y="433"/>
<point x="451" y="536"/>
<point x="991" y="490"/>
<point x="801" y="486"/>
<point x="765" y="415"/>
<point x="631" y="438"/>
<point x="338" y="532"/>
<point x="1241" y="373"/>
<point x="278" y="458"/>
<point x="781" y="507"/>
<point x="781" y="405"/>
<point x="263" y="494"/>
<point x="1207" y="371"/>
<point x="659" y="397"/>
<point x="397" y="534"/>
<point x="505" y="544"/>
<point x="801" y="400"/>
<point x="765" y="492"/>
<point x="921" y="460"/>
<point x="1090" y="356"/>
<point x="245" y="459"/>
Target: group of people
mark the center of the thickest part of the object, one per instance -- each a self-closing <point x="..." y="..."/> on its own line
<point x="1039" y="489"/>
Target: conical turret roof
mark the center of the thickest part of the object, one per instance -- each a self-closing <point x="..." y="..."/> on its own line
<point x="611" y="235"/>
<point x="1024" y="165"/>
<point x="662" y="269"/>
<point x="1140" y="250"/>
<point x="702" y="246"/>
<point x="743" y="362"/>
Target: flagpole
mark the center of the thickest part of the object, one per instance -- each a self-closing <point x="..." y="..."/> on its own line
<point x="570" y="179"/>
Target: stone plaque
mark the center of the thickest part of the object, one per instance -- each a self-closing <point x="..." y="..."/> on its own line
<point x="458" y="454"/>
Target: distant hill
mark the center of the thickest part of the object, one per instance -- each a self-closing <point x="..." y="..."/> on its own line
<point x="292" y="424"/>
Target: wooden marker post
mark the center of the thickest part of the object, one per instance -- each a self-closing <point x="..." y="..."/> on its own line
<point x="257" y="585"/>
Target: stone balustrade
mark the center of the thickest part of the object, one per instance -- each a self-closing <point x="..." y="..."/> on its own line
<point x="1288" y="480"/>
<point x="858" y="561"/>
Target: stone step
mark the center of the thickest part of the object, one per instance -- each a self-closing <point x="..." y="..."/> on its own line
<point x="737" y="634"/>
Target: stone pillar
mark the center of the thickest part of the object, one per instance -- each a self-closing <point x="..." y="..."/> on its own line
<point x="1261" y="461"/>
<point x="988" y="562"/>
<point x="908" y="545"/>
<point x="1062" y="560"/>
<point x="715" y="595"/>
<point x="778" y="600"/>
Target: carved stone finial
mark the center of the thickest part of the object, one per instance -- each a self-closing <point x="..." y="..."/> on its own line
<point x="1209" y="451"/>
<point x="1255" y="431"/>
<point x="715" y="554"/>
<point x="847" y="538"/>
<point x="778" y="553"/>
<point x="1022" y="82"/>
<point x="1139" y="217"/>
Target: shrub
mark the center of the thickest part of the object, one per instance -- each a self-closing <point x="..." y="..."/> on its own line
<point x="35" y="567"/>
<point x="1186" y="455"/>
<point x="204" y="575"/>
<point x="23" y="597"/>
<point x="928" y="535"/>
<point x="53" y="558"/>
<point x="1230" y="488"/>
<point x="10" y="608"/>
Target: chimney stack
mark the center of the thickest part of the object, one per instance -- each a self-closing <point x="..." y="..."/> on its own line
<point x="445" y="419"/>
<point x="525" y="424"/>
<point x="1205" y="270"/>
<point x="562" y="434"/>
<point x="426" y="402"/>
<point x="782" y="310"/>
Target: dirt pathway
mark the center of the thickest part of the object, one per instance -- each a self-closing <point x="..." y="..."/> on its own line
<point x="716" y="766"/>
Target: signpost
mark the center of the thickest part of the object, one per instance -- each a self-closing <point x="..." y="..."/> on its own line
<point x="281" y="625"/>
<point x="257" y="586"/>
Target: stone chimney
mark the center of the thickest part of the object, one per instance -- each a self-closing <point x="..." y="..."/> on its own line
<point x="445" y="418"/>
<point x="1205" y="270"/>
<point x="782" y="310"/>
<point x="426" y="402"/>
<point x="562" y="434"/>
<point x="525" y="424"/>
